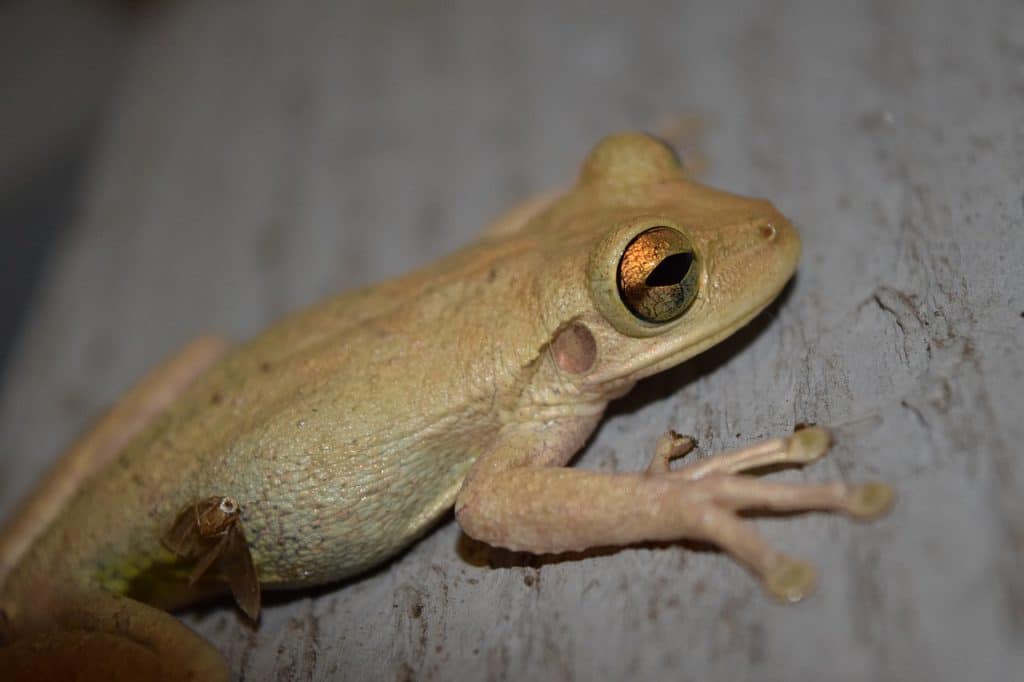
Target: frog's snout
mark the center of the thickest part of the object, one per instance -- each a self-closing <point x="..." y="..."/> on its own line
<point x="754" y="258"/>
<point x="772" y="245"/>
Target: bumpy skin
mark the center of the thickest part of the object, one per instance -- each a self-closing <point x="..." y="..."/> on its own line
<point x="344" y="431"/>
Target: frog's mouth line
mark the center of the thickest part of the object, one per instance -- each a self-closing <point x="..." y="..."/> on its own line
<point x="645" y="366"/>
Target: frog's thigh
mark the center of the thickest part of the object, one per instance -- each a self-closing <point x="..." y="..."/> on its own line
<point x="517" y="217"/>
<point x="147" y="399"/>
<point x="136" y="408"/>
<point x="106" y="637"/>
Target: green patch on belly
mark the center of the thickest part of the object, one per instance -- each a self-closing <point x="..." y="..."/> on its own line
<point x="160" y="579"/>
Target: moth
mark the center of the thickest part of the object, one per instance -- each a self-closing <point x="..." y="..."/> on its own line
<point x="211" y="529"/>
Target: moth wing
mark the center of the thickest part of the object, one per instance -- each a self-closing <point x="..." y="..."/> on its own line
<point x="207" y="559"/>
<point x="183" y="537"/>
<point x="236" y="563"/>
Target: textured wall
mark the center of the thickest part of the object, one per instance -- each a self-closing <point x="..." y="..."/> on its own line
<point x="262" y="155"/>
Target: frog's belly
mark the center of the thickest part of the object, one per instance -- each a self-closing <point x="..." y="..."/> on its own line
<point x="335" y="526"/>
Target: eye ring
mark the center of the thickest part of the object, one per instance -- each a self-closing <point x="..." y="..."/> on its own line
<point x="641" y="312"/>
<point x="657" y="275"/>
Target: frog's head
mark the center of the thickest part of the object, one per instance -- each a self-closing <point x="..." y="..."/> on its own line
<point x="662" y="267"/>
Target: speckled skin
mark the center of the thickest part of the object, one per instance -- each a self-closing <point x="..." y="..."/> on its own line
<point x="345" y="430"/>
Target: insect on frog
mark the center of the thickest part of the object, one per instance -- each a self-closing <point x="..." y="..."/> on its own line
<point x="331" y="441"/>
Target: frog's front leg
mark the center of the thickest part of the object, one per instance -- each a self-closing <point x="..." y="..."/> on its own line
<point x="552" y="509"/>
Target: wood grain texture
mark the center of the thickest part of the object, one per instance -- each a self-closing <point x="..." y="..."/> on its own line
<point x="263" y="154"/>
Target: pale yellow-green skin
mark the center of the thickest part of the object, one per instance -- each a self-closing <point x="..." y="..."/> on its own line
<point x="345" y="430"/>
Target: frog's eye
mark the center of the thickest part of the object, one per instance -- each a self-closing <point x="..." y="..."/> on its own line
<point x="657" y="275"/>
<point x="643" y="274"/>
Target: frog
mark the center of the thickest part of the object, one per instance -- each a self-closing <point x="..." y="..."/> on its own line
<point x="333" y="440"/>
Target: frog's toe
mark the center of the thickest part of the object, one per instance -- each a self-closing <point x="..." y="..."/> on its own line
<point x="791" y="580"/>
<point x="675" y="445"/>
<point x="870" y="500"/>
<point x="670" y="446"/>
<point x="809" y="444"/>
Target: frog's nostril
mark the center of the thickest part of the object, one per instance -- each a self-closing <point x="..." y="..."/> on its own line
<point x="768" y="231"/>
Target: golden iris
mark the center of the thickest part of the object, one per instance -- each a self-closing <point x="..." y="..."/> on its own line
<point x="658" y="275"/>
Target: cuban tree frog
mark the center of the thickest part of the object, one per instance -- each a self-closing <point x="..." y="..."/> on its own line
<point x="331" y="441"/>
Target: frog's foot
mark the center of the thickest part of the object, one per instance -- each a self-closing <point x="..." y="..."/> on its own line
<point x="721" y="496"/>
<point x="804" y="446"/>
<point x="106" y="637"/>
<point x="669" y="447"/>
